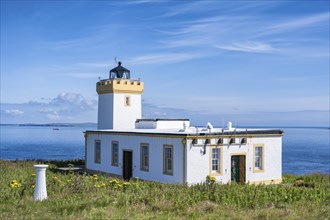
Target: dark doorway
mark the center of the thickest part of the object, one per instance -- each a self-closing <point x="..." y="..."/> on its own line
<point x="127" y="164"/>
<point x="238" y="168"/>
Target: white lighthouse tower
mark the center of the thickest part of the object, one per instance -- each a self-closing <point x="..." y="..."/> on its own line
<point x="119" y="100"/>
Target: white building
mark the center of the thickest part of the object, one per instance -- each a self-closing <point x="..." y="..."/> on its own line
<point x="170" y="150"/>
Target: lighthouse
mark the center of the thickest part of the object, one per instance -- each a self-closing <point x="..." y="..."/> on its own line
<point x="170" y="150"/>
<point x="119" y="104"/>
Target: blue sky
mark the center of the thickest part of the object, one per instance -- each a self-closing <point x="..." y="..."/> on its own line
<point x="251" y="62"/>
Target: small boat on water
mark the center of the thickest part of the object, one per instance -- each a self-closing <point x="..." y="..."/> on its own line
<point x="56" y="129"/>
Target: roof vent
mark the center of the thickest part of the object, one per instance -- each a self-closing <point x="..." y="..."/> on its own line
<point x="230" y="126"/>
<point x="209" y="126"/>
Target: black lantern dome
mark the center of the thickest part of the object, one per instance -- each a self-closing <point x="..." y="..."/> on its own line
<point x="119" y="72"/>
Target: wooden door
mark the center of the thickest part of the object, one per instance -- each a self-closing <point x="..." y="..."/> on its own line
<point x="127" y="165"/>
<point x="238" y="168"/>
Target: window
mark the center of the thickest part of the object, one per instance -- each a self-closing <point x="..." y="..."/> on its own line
<point x="97" y="151"/>
<point x="127" y="101"/>
<point x="144" y="157"/>
<point x="258" y="158"/>
<point x="215" y="160"/>
<point x="114" y="153"/>
<point x="168" y="159"/>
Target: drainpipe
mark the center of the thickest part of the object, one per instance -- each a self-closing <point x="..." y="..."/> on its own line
<point x="85" y="136"/>
<point x="184" y="178"/>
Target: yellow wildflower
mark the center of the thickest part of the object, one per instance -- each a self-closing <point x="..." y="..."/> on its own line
<point x="94" y="177"/>
<point x="126" y="184"/>
<point x="114" y="181"/>
<point x="15" y="184"/>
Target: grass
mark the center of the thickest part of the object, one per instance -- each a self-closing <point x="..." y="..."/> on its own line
<point x="80" y="196"/>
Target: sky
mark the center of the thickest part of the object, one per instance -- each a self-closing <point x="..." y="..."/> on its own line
<point x="256" y="63"/>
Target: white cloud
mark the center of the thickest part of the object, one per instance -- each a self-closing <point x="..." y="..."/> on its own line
<point x="14" y="112"/>
<point x="137" y="2"/>
<point x="48" y="110"/>
<point x="250" y="46"/>
<point x="164" y="58"/>
<point x="73" y="101"/>
<point x="244" y="33"/>
<point x="66" y="107"/>
<point x="301" y="22"/>
<point x="83" y="75"/>
<point x="96" y="64"/>
<point x="188" y="8"/>
<point x="53" y="116"/>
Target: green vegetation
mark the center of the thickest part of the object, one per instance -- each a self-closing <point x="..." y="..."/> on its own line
<point x="79" y="196"/>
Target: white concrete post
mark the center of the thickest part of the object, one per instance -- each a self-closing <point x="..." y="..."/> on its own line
<point x="40" y="191"/>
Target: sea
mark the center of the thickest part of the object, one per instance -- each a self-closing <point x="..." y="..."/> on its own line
<point x="305" y="149"/>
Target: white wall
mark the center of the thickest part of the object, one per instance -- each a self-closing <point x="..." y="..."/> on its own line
<point x="113" y="114"/>
<point x="125" y="116"/>
<point x="127" y="142"/>
<point x="162" y="124"/>
<point x="272" y="159"/>
<point x="198" y="164"/>
<point x="105" y="111"/>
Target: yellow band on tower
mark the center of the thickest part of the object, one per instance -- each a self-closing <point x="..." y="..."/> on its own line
<point x="119" y="86"/>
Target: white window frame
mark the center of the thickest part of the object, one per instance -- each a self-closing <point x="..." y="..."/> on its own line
<point x="258" y="158"/>
<point x="144" y="158"/>
<point x="114" y="153"/>
<point x="127" y="100"/>
<point x="168" y="160"/>
<point x="97" y="151"/>
<point x="215" y="160"/>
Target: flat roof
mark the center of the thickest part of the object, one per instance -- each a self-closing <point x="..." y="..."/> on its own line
<point x="192" y="131"/>
<point x="162" y="119"/>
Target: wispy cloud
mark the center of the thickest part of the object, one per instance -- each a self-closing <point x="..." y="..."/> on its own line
<point x="301" y="22"/>
<point x="83" y="75"/>
<point x="164" y="58"/>
<point x="13" y="112"/>
<point x="136" y="2"/>
<point x="251" y="47"/>
<point x="188" y="7"/>
<point x="246" y="33"/>
<point x="94" y="37"/>
<point x="95" y="64"/>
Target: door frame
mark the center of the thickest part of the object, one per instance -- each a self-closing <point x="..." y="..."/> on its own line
<point x="241" y="166"/>
<point x="123" y="158"/>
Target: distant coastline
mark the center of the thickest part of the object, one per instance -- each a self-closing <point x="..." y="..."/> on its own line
<point x="92" y="124"/>
<point x="87" y="124"/>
